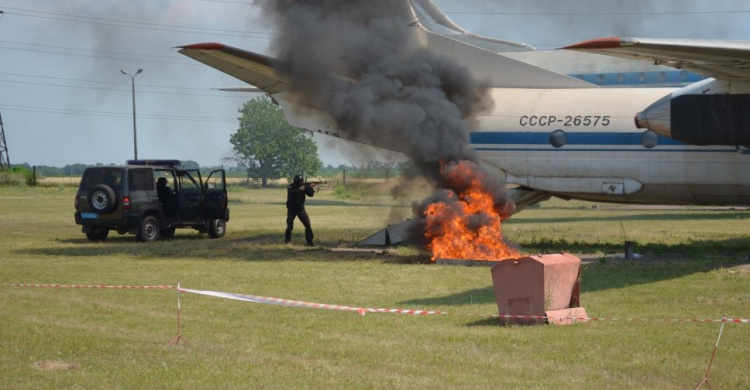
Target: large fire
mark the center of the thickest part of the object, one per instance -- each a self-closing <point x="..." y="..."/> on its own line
<point x="467" y="222"/>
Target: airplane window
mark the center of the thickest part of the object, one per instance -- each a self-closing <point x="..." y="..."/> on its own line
<point x="600" y="78"/>
<point x="649" y="139"/>
<point x="620" y="78"/>
<point x="558" y="138"/>
<point x="641" y="77"/>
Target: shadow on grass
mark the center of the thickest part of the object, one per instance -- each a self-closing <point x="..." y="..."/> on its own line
<point x="660" y="261"/>
<point x="669" y="262"/>
<point x="730" y="246"/>
<point x="254" y="248"/>
<point x="623" y="273"/>
<point x="489" y="321"/>
<point x="326" y="202"/>
<point x="660" y="216"/>
<point x="468" y="297"/>
<point x="330" y="202"/>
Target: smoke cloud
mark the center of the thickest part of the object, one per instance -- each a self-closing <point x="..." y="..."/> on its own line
<point x="358" y="61"/>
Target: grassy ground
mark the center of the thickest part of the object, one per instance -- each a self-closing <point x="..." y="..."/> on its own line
<point x="106" y="338"/>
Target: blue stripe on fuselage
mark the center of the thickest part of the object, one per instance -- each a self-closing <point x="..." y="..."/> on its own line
<point x="573" y="139"/>
<point x="604" y="142"/>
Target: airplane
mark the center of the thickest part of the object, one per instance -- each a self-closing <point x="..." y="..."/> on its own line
<point x="618" y="120"/>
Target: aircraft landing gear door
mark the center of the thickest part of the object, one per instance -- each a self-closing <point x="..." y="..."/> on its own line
<point x="216" y="195"/>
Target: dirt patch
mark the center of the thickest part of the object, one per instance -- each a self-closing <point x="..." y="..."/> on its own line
<point x="55" y="366"/>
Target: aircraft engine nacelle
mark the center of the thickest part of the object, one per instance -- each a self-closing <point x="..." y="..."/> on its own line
<point x="709" y="112"/>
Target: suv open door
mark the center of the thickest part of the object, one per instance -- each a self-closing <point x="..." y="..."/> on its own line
<point x="215" y="208"/>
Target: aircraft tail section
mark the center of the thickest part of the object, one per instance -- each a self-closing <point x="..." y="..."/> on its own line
<point x="482" y="55"/>
<point x="435" y="20"/>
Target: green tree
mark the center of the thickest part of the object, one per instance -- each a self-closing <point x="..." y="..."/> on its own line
<point x="269" y="147"/>
<point x="74" y="169"/>
<point x="189" y="164"/>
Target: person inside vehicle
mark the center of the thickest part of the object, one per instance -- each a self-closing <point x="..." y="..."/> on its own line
<point x="113" y="181"/>
<point x="295" y="208"/>
<point x="165" y="195"/>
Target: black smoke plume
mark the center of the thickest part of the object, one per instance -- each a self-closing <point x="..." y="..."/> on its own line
<point x="360" y="61"/>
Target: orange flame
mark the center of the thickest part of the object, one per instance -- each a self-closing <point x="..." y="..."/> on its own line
<point x="467" y="224"/>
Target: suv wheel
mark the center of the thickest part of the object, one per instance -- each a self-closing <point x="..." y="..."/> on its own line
<point x="216" y="228"/>
<point x="97" y="234"/>
<point x="102" y="198"/>
<point x="149" y="230"/>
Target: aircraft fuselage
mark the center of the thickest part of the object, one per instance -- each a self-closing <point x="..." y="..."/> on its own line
<point x="584" y="144"/>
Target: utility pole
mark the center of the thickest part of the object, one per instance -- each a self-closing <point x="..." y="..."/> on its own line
<point x="4" y="159"/>
<point x="135" y="136"/>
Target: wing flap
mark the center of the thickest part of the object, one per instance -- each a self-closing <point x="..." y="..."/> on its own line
<point x="258" y="70"/>
<point x="728" y="60"/>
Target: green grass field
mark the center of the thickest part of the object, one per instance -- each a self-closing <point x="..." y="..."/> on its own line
<point x="116" y="338"/>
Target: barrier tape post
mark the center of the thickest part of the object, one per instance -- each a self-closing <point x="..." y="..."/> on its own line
<point x="176" y="339"/>
<point x="713" y="354"/>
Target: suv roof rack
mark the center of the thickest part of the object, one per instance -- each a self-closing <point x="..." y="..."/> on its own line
<point x="169" y="163"/>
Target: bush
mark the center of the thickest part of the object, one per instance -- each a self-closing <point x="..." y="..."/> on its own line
<point x="16" y="176"/>
<point x="342" y="192"/>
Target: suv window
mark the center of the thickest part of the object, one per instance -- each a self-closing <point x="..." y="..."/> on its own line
<point x="141" y="180"/>
<point x="110" y="177"/>
<point x="215" y="180"/>
<point x="158" y="173"/>
<point x="187" y="181"/>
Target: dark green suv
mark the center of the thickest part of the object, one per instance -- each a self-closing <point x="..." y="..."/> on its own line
<point x="150" y="198"/>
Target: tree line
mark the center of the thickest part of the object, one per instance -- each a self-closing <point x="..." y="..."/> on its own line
<point x="264" y="147"/>
<point x="372" y="169"/>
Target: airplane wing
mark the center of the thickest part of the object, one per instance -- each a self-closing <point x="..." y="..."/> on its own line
<point x="240" y="89"/>
<point x="728" y="60"/>
<point x="258" y="70"/>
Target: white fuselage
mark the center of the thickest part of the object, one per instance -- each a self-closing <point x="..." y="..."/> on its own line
<point x="603" y="156"/>
<point x="600" y="154"/>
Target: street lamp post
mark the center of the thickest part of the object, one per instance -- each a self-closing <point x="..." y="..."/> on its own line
<point x="132" y="83"/>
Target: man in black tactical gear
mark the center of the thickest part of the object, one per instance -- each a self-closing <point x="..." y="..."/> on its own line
<point x="166" y="196"/>
<point x="295" y="207"/>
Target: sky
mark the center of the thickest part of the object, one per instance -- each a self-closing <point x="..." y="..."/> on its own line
<point x="63" y="99"/>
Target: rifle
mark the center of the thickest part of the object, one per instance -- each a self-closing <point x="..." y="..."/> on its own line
<point x="313" y="184"/>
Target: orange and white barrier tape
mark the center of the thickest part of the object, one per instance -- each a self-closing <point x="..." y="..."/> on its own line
<point x="583" y="319"/>
<point x="91" y="286"/>
<point x="308" y="305"/>
<point x="364" y="310"/>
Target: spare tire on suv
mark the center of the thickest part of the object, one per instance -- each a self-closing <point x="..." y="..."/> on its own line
<point x="102" y="199"/>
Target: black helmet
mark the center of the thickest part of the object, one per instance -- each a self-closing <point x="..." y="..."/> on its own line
<point x="297" y="179"/>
